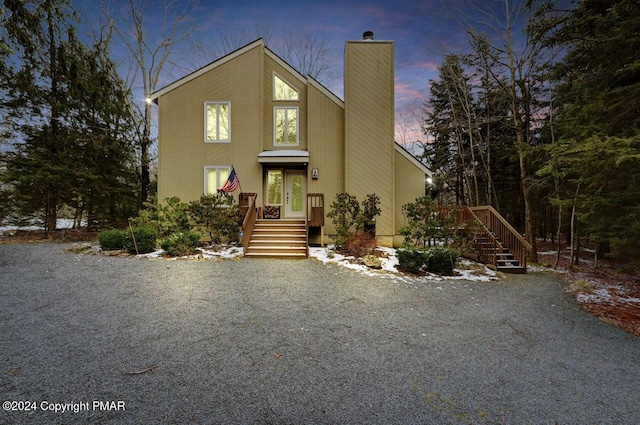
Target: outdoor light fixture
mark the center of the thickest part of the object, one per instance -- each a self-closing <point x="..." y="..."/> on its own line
<point x="429" y="180"/>
<point x="148" y="100"/>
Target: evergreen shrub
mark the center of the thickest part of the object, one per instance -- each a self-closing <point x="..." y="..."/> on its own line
<point x="145" y="240"/>
<point x="181" y="243"/>
<point x="412" y="260"/>
<point x="111" y="240"/>
<point x="442" y="260"/>
<point x="439" y="260"/>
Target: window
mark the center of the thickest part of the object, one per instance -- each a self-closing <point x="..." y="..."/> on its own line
<point x="214" y="178"/>
<point x="274" y="187"/>
<point x="217" y="122"/>
<point x="283" y="91"/>
<point x="285" y="126"/>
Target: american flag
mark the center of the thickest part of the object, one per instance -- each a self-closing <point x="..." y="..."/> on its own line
<point x="231" y="184"/>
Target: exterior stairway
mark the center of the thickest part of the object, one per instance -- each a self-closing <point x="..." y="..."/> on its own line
<point x="278" y="239"/>
<point x="490" y="246"/>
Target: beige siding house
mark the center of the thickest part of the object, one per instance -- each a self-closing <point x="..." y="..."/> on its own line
<point x="288" y="137"/>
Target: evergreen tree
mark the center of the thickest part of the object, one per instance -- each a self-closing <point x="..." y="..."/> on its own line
<point x="597" y="126"/>
<point x="67" y="119"/>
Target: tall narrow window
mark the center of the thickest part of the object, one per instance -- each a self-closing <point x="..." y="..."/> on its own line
<point x="285" y="126"/>
<point x="217" y="118"/>
<point x="283" y="91"/>
<point x="214" y="178"/>
<point x="274" y="187"/>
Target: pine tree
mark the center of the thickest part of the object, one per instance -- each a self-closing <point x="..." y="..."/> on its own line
<point x="67" y="119"/>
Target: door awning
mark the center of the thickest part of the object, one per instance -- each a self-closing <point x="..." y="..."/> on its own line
<point x="284" y="157"/>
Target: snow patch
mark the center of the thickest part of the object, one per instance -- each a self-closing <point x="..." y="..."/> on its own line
<point x="467" y="270"/>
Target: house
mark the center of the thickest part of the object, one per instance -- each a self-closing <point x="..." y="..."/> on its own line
<point x="288" y="138"/>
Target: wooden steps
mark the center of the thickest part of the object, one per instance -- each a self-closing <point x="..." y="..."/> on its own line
<point x="278" y="239"/>
<point x="506" y="262"/>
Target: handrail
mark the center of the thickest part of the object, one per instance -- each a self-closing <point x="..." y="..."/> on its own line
<point x="487" y="244"/>
<point x="249" y="222"/>
<point x="505" y="223"/>
<point x="510" y="237"/>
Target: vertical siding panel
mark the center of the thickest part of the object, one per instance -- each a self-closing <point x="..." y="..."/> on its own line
<point x="369" y="126"/>
<point x="182" y="152"/>
<point x="326" y="148"/>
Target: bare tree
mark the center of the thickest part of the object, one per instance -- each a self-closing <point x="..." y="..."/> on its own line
<point x="512" y="62"/>
<point x="150" y="31"/>
<point x="308" y="51"/>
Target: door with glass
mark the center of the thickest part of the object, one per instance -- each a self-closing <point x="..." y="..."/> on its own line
<point x="295" y="193"/>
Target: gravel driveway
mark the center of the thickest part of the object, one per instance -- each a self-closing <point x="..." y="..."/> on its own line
<point x="114" y="340"/>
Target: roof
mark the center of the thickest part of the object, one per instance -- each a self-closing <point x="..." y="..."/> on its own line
<point x="259" y="42"/>
<point x="401" y="150"/>
<point x="195" y="74"/>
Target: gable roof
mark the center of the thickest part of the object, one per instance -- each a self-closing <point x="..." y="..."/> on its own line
<point x="198" y="72"/>
<point x="401" y="150"/>
<point x="259" y="42"/>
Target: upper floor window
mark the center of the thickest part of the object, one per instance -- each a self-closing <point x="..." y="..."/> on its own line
<point x="217" y="119"/>
<point x="283" y="91"/>
<point x="285" y="126"/>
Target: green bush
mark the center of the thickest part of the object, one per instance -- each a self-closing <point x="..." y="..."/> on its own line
<point x="168" y="217"/>
<point x="111" y="240"/>
<point x="142" y="242"/>
<point x="440" y="260"/>
<point x="412" y="260"/>
<point x="350" y="219"/>
<point x="181" y="243"/>
<point x="219" y="215"/>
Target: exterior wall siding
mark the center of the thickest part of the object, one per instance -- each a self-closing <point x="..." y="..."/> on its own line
<point x="409" y="184"/>
<point x="182" y="152"/>
<point x="369" y="127"/>
<point x="326" y="149"/>
<point x="350" y="143"/>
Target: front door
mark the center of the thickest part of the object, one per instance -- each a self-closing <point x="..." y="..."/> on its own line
<point x="295" y="193"/>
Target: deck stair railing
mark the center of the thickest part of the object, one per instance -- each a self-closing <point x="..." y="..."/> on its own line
<point x="512" y="241"/>
<point x="247" y="205"/>
<point x="495" y="240"/>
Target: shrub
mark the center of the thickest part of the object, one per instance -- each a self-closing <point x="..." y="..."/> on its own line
<point x="344" y="214"/>
<point x="142" y="241"/>
<point x="181" y="243"/>
<point x="425" y="221"/>
<point x="412" y="260"/>
<point x="218" y="214"/>
<point x="350" y="219"/>
<point x="440" y="260"/>
<point x="111" y="240"/>
<point x="168" y="217"/>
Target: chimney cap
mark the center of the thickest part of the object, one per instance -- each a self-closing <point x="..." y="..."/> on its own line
<point x="367" y="35"/>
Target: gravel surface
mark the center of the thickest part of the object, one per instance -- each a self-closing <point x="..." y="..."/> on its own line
<point x="297" y="342"/>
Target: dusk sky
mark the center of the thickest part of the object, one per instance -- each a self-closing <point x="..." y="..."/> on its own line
<point x="420" y="30"/>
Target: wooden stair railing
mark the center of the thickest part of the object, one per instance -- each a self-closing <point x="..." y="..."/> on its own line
<point x="249" y="217"/>
<point x="496" y="241"/>
<point x="487" y="245"/>
<point x="510" y="238"/>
